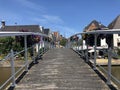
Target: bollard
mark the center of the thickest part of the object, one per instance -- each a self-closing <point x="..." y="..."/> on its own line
<point x="12" y="69"/>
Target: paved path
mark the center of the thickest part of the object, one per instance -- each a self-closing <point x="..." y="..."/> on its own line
<point x="61" y="69"/>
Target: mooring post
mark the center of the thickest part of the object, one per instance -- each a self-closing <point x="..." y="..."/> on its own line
<point x="12" y="69"/>
<point x="109" y="66"/>
<point x="26" y="58"/>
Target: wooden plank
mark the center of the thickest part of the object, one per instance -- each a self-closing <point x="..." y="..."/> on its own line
<point x="61" y="69"/>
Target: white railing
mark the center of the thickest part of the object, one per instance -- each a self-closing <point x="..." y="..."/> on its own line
<point x="11" y="55"/>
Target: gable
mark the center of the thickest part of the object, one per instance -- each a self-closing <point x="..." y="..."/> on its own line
<point x="115" y="24"/>
<point x="94" y="25"/>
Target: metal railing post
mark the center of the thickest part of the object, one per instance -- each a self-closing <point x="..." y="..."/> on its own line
<point x="47" y="43"/>
<point x="82" y="49"/>
<point x="95" y="52"/>
<point x="77" y="45"/>
<point x="109" y="66"/>
<point x="38" y="48"/>
<point x="43" y="45"/>
<point x="26" y="58"/>
<point x="87" y="53"/>
<point x="33" y="54"/>
<point x="12" y="69"/>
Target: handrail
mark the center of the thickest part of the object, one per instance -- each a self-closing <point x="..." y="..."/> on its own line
<point x="118" y="81"/>
<point x="17" y="70"/>
<point x="11" y="55"/>
<point x="109" y="31"/>
<point x="74" y="44"/>
<point x="5" y="33"/>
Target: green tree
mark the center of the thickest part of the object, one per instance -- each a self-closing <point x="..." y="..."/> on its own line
<point x="63" y="42"/>
<point x="6" y="43"/>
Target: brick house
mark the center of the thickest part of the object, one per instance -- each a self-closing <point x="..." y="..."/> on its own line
<point x="94" y="25"/>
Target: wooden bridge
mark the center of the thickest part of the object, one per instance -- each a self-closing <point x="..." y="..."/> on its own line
<point x="61" y="69"/>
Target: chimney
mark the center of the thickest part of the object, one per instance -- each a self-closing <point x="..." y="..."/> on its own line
<point x="2" y="24"/>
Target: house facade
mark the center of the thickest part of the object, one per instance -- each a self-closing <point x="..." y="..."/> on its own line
<point x="89" y="39"/>
<point x="95" y="25"/>
<point x="56" y="38"/>
<point x="22" y="28"/>
<point x="115" y="24"/>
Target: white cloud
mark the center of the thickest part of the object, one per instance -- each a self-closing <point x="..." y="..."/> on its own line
<point x="35" y="13"/>
<point x="67" y="31"/>
<point x="40" y="20"/>
<point x="49" y="19"/>
<point x="53" y="19"/>
<point x="31" y="5"/>
<point x="55" y="23"/>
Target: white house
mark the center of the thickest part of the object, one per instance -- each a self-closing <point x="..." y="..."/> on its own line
<point x="115" y="24"/>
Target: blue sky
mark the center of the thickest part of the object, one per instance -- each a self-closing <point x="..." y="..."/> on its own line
<point x="66" y="16"/>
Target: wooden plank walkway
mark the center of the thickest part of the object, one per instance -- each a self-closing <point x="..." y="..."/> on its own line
<point x="61" y="69"/>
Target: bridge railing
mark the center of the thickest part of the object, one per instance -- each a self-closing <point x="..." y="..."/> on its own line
<point x="11" y="57"/>
<point x="83" y="50"/>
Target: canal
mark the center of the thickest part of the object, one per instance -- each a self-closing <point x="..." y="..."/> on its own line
<point x="5" y="73"/>
<point x="115" y="72"/>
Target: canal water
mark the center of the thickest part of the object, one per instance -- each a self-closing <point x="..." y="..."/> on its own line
<point x="115" y="72"/>
<point x="5" y="73"/>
